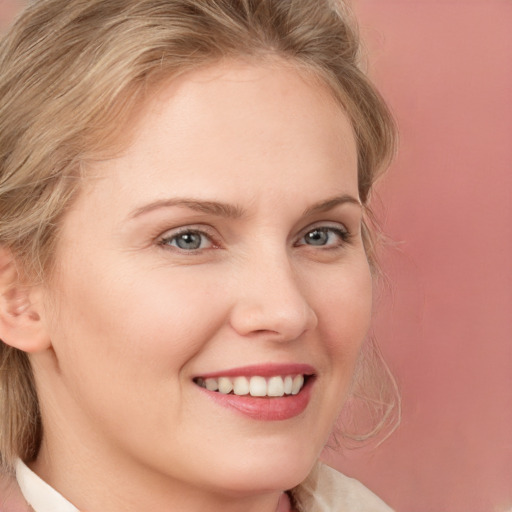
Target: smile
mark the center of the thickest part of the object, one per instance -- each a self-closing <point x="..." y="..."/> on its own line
<point x="264" y="392"/>
<point x="255" y="386"/>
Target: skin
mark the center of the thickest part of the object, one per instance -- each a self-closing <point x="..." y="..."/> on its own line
<point x="131" y="318"/>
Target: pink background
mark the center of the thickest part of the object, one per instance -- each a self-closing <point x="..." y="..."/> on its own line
<point x="446" y="329"/>
<point x="445" y="67"/>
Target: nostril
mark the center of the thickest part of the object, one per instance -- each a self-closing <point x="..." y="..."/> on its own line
<point x="282" y="322"/>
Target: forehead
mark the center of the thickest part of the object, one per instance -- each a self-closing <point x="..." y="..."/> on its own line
<point x="244" y="123"/>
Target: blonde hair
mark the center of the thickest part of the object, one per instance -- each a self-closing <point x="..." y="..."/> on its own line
<point x="72" y="71"/>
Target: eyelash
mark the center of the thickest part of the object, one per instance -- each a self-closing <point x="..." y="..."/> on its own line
<point x="166" y="240"/>
<point x="344" y="235"/>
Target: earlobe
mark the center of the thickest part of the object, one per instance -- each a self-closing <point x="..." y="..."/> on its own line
<point x="21" y="325"/>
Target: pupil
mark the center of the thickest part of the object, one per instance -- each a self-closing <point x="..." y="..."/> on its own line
<point x="189" y="241"/>
<point x="317" y="237"/>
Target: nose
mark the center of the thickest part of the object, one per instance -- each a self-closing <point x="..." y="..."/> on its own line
<point x="271" y="301"/>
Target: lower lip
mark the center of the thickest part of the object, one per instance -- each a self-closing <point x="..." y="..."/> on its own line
<point x="265" y="408"/>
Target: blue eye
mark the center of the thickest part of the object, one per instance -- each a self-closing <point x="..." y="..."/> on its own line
<point x="325" y="236"/>
<point x="188" y="240"/>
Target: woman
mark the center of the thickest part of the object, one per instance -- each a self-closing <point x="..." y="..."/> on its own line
<point x="185" y="267"/>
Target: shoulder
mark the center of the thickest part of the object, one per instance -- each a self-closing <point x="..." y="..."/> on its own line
<point x="11" y="499"/>
<point x="327" y="490"/>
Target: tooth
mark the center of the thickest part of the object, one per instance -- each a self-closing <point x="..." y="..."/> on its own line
<point x="298" y="382"/>
<point x="241" y="386"/>
<point x="288" y="383"/>
<point x="225" y="385"/>
<point x="258" y="386"/>
<point x="211" y="384"/>
<point x="275" y="386"/>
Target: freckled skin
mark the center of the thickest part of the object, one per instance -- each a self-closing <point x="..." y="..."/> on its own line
<point x="134" y="315"/>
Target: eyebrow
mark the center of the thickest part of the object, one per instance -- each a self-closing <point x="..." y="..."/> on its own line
<point x="209" y="207"/>
<point x="227" y="210"/>
<point x="329" y="204"/>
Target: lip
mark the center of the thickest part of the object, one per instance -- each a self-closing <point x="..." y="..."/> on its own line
<point x="265" y="408"/>
<point x="263" y="370"/>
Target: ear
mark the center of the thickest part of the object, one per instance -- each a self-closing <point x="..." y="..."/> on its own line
<point x="21" y="324"/>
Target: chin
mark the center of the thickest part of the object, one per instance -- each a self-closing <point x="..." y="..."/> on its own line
<point x="282" y="471"/>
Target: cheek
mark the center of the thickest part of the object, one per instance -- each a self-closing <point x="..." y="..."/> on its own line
<point x="125" y="318"/>
<point x="174" y="313"/>
<point x="119" y="340"/>
<point x="344" y="313"/>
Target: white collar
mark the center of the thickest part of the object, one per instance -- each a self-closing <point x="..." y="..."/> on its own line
<point x="39" y="495"/>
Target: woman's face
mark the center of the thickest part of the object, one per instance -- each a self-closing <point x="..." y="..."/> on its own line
<point x="222" y="248"/>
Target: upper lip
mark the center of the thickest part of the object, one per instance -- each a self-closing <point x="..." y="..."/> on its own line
<point x="262" y="370"/>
